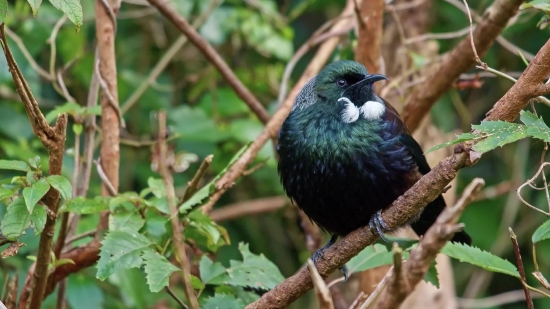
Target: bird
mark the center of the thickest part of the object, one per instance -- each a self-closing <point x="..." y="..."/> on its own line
<point x="345" y="155"/>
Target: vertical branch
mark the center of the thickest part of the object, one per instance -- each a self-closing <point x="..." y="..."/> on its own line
<point x="106" y="11"/>
<point x="528" y="298"/>
<point x="177" y="229"/>
<point x="369" y="38"/>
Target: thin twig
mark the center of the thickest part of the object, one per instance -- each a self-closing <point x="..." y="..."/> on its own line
<point x="193" y="185"/>
<point x="104" y="179"/>
<point x="194" y="37"/>
<point x="478" y="60"/>
<point x="248" y="208"/>
<point x="177" y="229"/>
<point x="176" y="298"/>
<point x="110" y="98"/>
<point x="80" y="236"/>
<point x="321" y="290"/>
<point x="43" y="73"/>
<point x="495" y="301"/>
<point x="528" y="298"/>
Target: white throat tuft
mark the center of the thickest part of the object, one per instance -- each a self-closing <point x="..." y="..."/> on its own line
<point x="350" y="113"/>
<point x="372" y="110"/>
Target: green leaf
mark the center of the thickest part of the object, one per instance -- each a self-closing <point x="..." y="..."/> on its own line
<point x="542" y="232"/>
<point x="35" y="5"/>
<point x="77" y="128"/>
<point x="129" y="221"/>
<point x="82" y="205"/>
<point x="197" y="283"/>
<point x="14" y="165"/>
<point x="16" y="219"/>
<point x="432" y="275"/>
<point x="204" y="231"/>
<point x="3" y="10"/>
<point x="478" y="257"/>
<point x="38" y="217"/>
<point x="61" y="184"/>
<point x="535" y="126"/>
<point x="255" y="271"/>
<point x="71" y="8"/>
<point x="211" y="273"/>
<point x="222" y="301"/>
<point x="157" y="187"/>
<point x="497" y="134"/>
<point x="459" y="139"/>
<point x="158" y="270"/>
<point x="371" y="257"/>
<point x="120" y="250"/>
<point x="6" y="193"/>
<point x="203" y="194"/>
<point x="541" y="5"/>
<point x="34" y="193"/>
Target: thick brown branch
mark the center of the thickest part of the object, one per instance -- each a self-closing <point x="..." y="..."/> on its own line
<point x="459" y="60"/>
<point x="369" y="38"/>
<point x="194" y="37"/>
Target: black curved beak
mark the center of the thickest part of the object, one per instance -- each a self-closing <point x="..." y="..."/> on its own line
<point x="372" y="78"/>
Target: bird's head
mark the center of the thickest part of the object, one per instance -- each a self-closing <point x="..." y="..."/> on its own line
<point x="347" y="87"/>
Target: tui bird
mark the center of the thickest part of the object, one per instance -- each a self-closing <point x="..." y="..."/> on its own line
<point x="345" y="155"/>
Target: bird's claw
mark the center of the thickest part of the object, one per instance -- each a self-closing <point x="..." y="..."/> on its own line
<point x="344" y="271"/>
<point x="376" y="223"/>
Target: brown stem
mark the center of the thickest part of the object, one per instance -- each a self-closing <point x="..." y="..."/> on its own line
<point x="177" y="229"/>
<point x="194" y="37"/>
<point x="458" y="61"/>
<point x="369" y="38"/>
<point x="247" y="208"/>
<point x="528" y="298"/>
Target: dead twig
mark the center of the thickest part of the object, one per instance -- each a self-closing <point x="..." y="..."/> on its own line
<point x="247" y="208"/>
<point x="321" y="290"/>
<point x="528" y="298"/>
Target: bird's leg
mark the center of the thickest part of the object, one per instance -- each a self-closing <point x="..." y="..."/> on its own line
<point x="376" y="223"/>
<point x="319" y="253"/>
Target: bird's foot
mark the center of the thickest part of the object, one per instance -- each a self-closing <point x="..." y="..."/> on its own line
<point x="319" y="252"/>
<point x="376" y="223"/>
<point x="344" y="271"/>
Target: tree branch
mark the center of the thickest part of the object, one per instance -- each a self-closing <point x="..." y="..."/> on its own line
<point x="369" y="38"/>
<point x="194" y="37"/>
<point x="459" y="60"/>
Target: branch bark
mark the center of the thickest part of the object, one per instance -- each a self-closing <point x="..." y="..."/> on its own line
<point x="459" y="60"/>
<point x="212" y="55"/>
<point x="369" y="38"/>
<point x="53" y="139"/>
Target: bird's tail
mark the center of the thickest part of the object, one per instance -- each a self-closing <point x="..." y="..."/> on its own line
<point x="428" y="217"/>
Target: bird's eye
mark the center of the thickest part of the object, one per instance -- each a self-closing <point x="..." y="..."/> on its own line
<point x="341" y="82"/>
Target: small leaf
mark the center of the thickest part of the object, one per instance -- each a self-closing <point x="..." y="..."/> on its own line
<point x="120" y="250"/>
<point x="14" y="165"/>
<point x="158" y="270"/>
<point x="432" y="275"/>
<point x="3" y="10"/>
<point x="6" y="193"/>
<point x="63" y="262"/>
<point x="459" y="139"/>
<point x="478" y="257"/>
<point x="157" y="187"/>
<point x="38" y="217"/>
<point x="371" y="257"/>
<point x="197" y="283"/>
<point x="16" y="219"/>
<point x="222" y="301"/>
<point x="35" y="5"/>
<point x="77" y="128"/>
<point x="34" y="193"/>
<point x="542" y="232"/>
<point x="535" y="126"/>
<point x="497" y="134"/>
<point x="71" y="8"/>
<point x="211" y="273"/>
<point x="61" y="184"/>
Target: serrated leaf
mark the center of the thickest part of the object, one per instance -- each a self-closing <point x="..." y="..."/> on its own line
<point x="38" y="217"/>
<point x="497" y="134"/>
<point x="432" y="275"/>
<point x="371" y="257"/>
<point x="542" y="232"/>
<point x="255" y="271"/>
<point x="61" y="184"/>
<point x="120" y="250"/>
<point x="16" y="219"/>
<point x="71" y="8"/>
<point x="478" y="257"/>
<point x="3" y="10"/>
<point x="35" y="5"/>
<point x="34" y="193"/>
<point x="459" y="139"/>
<point x="535" y="126"/>
<point x="203" y="194"/>
<point x="157" y="187"/>
<point x="82" y="205"/>
<point x="14" y="165"/>
<point x="222" y="301"/>
<point x="542" y="5"/>
<point x="211" y="273"/>
<point x="130" y="221"/>
<point x="158" y="270"/>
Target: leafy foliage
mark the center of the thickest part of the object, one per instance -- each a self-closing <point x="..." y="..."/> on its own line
<point x="158" y="269"/>
<point x="478" y="257"/>
<point x="542" y="232"/>
<point x="223" y="301"/>
<point x="34" y="193"/>
<point x="371" y="257"/>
